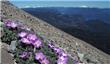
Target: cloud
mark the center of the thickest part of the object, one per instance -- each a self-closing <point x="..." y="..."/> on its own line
<point x="84" y="6"/>
<point x="30" y="6"/>
<point x="58" y="0"/>
<point x="27" y="6"/>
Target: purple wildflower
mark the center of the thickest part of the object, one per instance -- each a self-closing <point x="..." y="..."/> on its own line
<point x="24" y="55"/>
<point x="10" y="23"/>
<point x="57" y="50"/>
<point x="62" y="60"/>
<point x="51" y="45"/>
<point x="32" y="37"/>
<point x="22" y="34"/>
<point x="39" y="56"/>
<point x="64" y="54"/>
<point x="45" y="61"/>
<point x="37" y="43"/>
<point x="14" y="25"/>
<point x="25" y="40"/>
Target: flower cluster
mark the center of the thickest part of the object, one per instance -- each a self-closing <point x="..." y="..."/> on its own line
<point x="9" y="23"/>
<point x="62" y="56"/>
<point x="29" y="38"/>
<point x="41" y="58"/>
<point x="15" y="24"/>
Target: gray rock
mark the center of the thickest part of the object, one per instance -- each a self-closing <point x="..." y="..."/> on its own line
<point x="81" y="56"/>
<point x="12" y="46"/>
<point x="6" y="58"/>
<point x="91" y="59"/>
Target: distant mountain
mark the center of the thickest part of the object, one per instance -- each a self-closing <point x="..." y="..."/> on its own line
<point x="96" y="33"/>
<point x="98" y="26"/>
<point x="89" y="24"/>
<point x="87" y="13"/>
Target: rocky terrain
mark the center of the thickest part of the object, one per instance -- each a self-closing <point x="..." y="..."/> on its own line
<point x="69" y="43"/>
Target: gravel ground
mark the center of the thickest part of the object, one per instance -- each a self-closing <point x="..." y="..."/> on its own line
<point x="62" y="39"/>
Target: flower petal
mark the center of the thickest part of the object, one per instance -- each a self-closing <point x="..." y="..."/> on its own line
<point x="39" y="56"/>
<point x="22" y="34"/>
<point x="25" y="40"/>
<point x="37" y="43"/>
<point x="45" y="61"/>
<point x="32" y="37"/>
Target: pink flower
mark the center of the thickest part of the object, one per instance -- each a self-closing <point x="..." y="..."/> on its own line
<point x="32" y="37"/>
<point x="37" y="43"/>
<point x="64" y="54"/>
<point x="24" y="55"/>
<point x="22" y="34"/>
<point x="39" y="56"/>
<point x="45" y="61"/>
<point x="62" y="60"/>
<point x="51" y="45"/>
<point x="25" y="40"/>
<point x="14" y="25"/>
<point x="10" y="23"/>
<point x="57" y="50"/>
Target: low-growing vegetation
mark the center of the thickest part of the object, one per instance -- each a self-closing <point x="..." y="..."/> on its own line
<point x="32" y="49"/>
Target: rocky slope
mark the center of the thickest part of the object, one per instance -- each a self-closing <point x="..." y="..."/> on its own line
<point x="60" y="38"/>
<point x="88" y="24"/>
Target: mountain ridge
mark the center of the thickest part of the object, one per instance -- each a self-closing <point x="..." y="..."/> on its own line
<point x="93" y="13"/>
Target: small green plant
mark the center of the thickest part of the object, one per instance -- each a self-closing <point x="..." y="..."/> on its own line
<point x="49" y="53"/>
<point x="8" y="35"/>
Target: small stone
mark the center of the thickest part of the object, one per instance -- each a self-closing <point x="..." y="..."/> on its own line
<point x="12" y="46"/>
<point x="81" y="56"/>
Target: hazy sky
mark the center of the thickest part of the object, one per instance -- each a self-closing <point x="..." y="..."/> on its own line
<point x="59" y="0"/>
<point x="61" y="3"/>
